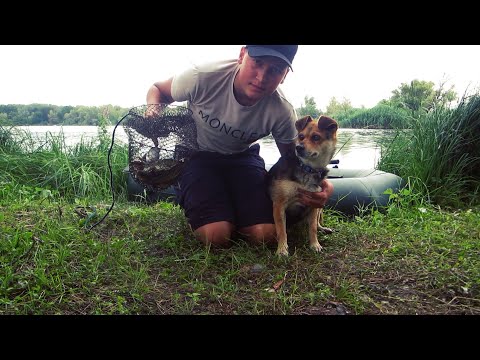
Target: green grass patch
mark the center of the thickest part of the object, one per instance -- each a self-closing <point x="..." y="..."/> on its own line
<point x="143" y="259"/>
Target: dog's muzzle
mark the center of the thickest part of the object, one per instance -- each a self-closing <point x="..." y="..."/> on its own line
<point x="300" y="150"/>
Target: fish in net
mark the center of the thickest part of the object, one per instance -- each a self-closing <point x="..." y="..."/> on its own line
<point x="161" y="139"/>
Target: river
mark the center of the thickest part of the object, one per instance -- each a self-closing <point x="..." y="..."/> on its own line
<point x="356" y="148"/>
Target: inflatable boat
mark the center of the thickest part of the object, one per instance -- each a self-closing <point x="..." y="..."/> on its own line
<point x="354" y="189"/>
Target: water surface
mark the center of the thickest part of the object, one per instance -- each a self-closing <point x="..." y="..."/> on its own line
<point x="356" y="148"/>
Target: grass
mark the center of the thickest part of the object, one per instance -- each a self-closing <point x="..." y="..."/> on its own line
<point x="143" y="260"/>
<point x="440" y="154"/>
<point x="77" y="171"/>
<point x="415" y="257"/>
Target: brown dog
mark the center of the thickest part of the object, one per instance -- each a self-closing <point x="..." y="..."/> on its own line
<point x="314" y="149"/>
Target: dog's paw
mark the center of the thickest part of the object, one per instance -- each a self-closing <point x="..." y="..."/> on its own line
<point x="316" y="247"/>
<point x="282" y="251"/>
<point x="325" y="230"/>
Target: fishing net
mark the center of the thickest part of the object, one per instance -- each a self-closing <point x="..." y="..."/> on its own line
<point x="161" y="139"/>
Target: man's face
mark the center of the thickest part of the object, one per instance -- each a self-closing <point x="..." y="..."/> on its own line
<point x="258" y="77"/>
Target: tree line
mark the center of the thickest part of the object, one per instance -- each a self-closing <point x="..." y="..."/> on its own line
<point x="42" y="114"/>
<point x="409" y="101"/>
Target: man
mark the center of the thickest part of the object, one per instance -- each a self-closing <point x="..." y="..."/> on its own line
<point x="234" y="103"/>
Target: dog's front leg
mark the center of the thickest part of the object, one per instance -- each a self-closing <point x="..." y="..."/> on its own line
<point x="280" y="227"/>
<point x="312" y="230"/>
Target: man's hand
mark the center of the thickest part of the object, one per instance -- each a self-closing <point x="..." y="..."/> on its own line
<point x="316" y="199"/>
<point x="153" y="110"/>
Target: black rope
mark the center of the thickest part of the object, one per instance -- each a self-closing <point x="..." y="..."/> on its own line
<point x="111" y="175"/>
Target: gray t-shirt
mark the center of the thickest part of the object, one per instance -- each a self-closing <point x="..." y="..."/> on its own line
<point x="223" y="125"/>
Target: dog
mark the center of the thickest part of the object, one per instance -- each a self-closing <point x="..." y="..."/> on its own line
<point x="306" y="168"/>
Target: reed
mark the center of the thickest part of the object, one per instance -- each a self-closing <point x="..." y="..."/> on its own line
<point x="76" y="171"/>
<point x="379" y="117"/>
<point x="440" y="154"/>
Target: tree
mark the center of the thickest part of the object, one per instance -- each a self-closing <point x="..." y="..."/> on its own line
<point x="336" y="109"/>
<point x="53" y="118"/>
<point x="4" y="119"/>
<point x="443" y="97"/>
<point x="420" y="96"/>
<point x="308" y="108"/>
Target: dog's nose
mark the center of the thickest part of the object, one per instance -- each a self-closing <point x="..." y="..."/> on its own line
<point x="299" y="149"/>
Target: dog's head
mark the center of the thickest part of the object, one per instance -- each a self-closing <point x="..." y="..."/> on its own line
<point x="316" y="140"/>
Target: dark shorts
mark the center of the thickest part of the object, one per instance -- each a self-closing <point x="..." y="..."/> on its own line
<point x="215" y="187"/>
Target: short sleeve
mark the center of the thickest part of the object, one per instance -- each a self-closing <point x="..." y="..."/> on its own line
<point x="184" y="85"/>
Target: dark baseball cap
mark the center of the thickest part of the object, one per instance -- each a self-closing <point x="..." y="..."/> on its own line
<point x="284" y="52"/>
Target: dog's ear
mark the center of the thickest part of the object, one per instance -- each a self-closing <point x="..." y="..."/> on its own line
<point x="301" y="123"/>
<point x="327" y="123"/>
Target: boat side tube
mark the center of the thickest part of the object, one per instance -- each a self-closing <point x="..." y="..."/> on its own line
<point x="356" y="189"/>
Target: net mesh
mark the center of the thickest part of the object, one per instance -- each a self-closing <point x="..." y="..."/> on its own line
<point x="161" y="139"/>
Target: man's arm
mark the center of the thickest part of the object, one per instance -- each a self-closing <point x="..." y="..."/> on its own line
<point x="286" y="148"/>
<point x="160" y="93"/>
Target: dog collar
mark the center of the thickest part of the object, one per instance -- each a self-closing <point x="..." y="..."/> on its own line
<point x="311" y="170"/>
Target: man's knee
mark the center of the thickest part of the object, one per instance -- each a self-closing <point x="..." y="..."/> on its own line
<point x="216" y="234"/>
<point x="260" y="234"/>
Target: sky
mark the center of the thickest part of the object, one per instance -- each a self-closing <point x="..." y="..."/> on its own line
<point x="95" y="75"/>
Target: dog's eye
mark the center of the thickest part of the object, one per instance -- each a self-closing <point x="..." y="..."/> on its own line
<point x="315" y="137"/>
<point x="301" y="137"/>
